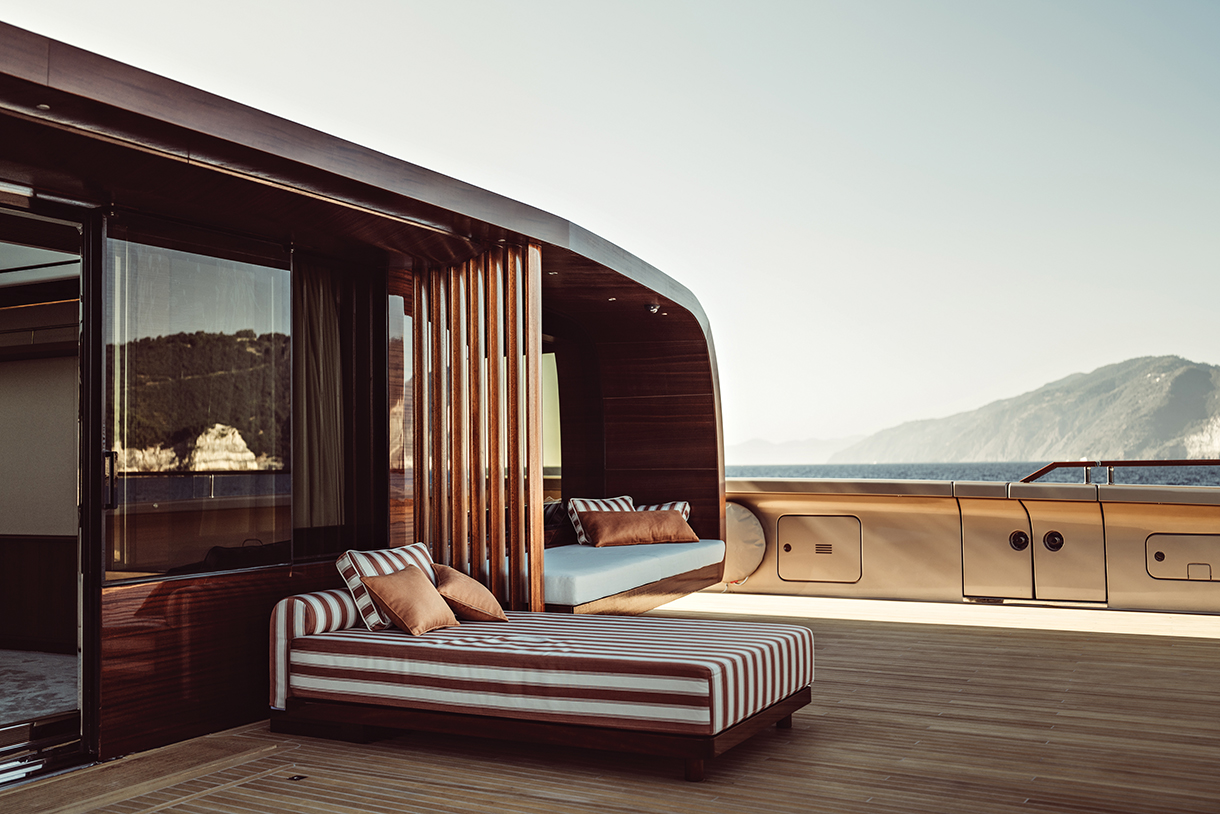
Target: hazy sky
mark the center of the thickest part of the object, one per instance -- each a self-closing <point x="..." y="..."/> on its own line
<point x="889" y="210"/>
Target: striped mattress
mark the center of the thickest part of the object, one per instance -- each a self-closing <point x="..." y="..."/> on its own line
<point x="694" y="677"/>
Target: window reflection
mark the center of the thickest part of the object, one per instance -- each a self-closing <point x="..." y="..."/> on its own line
<point x="402" y="423"/>
<point x="198" y="411"/>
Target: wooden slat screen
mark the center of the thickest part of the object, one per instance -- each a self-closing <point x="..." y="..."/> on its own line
<point x="478" y="453"/>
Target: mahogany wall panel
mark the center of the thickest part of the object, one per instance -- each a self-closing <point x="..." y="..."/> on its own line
<point x="182" y="658"/>
<point x="671" y="368"/>
<point x="668" y="432"/>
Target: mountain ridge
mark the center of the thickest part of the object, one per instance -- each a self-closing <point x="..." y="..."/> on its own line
<point x="1148" y="407"/>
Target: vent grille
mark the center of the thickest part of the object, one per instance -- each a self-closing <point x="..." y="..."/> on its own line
<point x="824" y="548"/>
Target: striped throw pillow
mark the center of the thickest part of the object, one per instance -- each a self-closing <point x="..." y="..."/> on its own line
<point x="592" y="504"/>
<point x="672" y="506"/>
<point x="356" y="564"/>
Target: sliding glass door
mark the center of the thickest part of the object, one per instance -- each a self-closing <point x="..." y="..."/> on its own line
<point x="197" y="412"/>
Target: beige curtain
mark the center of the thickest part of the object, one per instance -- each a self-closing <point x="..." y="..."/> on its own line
<point x="317" y="399"/>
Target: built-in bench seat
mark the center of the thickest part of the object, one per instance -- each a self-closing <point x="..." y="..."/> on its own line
<point x="628" y="579"/>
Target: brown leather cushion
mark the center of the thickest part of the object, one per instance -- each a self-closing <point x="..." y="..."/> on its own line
<point x="410" y="599"/>
<point x="467" y="597"/>
<point x="635" y="528"/>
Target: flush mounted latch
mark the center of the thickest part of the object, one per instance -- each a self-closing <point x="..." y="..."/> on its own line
<point x="819" y="548"/>
<point x="1194" y="557"/>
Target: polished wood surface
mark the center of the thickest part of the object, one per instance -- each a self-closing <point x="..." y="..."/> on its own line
<point x="434" y="467"/>
<point x="532" y="333"/>
<point x="646" y="597"/>
<point x="514" y="432"/>
<point x="493" y="287"/>
<point x="477" y="391"/>
<point x="459" y="423"/>
<point x="185" y="657"/>
<point x="483" y="461"/>
<point x="911" y="718"/>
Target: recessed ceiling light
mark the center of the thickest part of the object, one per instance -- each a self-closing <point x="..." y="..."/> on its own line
<point x="552" y="273"/>
<point x="612" y="299"/>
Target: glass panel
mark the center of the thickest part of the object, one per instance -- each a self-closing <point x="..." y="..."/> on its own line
<point x="402" y="425"/>
<point x="198" y="412"/>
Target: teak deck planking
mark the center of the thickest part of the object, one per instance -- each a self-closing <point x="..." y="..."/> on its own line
<point x="905" y="718"/>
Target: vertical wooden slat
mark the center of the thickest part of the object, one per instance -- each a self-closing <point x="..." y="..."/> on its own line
<point x="515" y="433"/>
<point x="478" y="479"/>
<point x="420" y="465"/>
<point x="493" y="277"/>
<point x="440" y="449"/>
<point x="459" y="420"/>
<point x="531" y="328"/>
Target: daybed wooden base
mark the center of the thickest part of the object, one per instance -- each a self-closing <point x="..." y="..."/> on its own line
<point x="647" y="597"/>
<point x="366" y="722"/>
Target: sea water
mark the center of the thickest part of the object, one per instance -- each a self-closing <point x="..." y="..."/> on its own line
<point x="1002" y="471"/>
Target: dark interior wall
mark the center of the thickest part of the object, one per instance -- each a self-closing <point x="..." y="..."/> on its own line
<point x="582" y="430"/>
<point x="367" y="412"/>
<point x="38" y="587"/>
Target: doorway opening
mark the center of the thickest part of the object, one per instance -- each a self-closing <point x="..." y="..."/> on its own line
<point x="40" y="606"/>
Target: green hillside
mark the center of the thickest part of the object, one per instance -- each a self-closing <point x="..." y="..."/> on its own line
<point x="175" y="387"/>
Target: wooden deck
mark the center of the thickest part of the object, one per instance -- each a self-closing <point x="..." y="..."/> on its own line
<point x="906" y="718"/>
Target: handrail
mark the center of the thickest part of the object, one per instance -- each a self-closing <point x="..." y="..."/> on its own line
<point x="1109" y="465"/>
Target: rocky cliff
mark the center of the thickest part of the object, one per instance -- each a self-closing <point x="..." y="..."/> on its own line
<point x="220" y="448"/>
<point x="1151" y="407"/>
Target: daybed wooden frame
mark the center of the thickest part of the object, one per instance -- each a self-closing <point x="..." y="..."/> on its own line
<point x="361" y="723"/>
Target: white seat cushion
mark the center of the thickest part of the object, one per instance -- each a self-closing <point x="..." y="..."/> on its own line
<point x="575" y="574"/>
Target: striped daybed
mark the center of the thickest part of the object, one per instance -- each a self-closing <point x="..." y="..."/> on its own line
<point x="684" y="688"/>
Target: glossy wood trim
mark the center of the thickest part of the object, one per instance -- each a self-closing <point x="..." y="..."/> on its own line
<point x="515" y="437"/>
<point x="493" y="287"/>
<point x="532" y="336"/>
<point x="459" y="421"/>
<point x="477" y="390"/>
<point x="25" y="54"/>
<point x="439" y="447"/>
